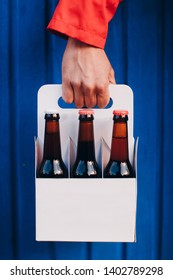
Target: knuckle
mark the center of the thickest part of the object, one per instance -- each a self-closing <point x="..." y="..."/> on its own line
<point x="76" y="84"/>
<point x="65" y="79"/>
<point x="89" y="87"/>
<point x="102" y="88"/>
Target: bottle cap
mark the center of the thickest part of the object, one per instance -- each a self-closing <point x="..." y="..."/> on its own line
<point x="120" y="112"/>
<point x="86" y="112"/>
<point x="51" y="114"/>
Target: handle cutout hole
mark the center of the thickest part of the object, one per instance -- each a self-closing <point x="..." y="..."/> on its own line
<point x="62" y="104"/>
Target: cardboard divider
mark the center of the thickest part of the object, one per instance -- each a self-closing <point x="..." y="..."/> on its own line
<point x="85" y="209"/>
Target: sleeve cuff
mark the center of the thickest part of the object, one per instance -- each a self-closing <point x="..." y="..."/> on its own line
<point x="63" y="29"/>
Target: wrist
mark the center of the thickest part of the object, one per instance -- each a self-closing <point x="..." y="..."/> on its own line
<point x="78" y="43"/>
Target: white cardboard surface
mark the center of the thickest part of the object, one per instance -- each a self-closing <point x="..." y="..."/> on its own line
<point x="85" y="209"/>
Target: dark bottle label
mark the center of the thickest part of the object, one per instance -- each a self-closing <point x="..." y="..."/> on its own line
<point x="86" y="150"/>
<point x="52" y="148"/>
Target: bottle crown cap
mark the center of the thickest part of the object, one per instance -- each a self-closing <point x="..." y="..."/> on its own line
<point x="86" y="112"/>
<point x="51" y="114"/>
<point x="120" y="112"/>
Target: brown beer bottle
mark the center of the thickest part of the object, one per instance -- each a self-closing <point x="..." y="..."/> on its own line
<point x="119" y="165"/>
<point x="85" y="165"/>
<point x="52" y="165"/>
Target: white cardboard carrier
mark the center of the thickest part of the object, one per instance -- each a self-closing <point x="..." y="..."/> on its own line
<point x="85" y="209"/>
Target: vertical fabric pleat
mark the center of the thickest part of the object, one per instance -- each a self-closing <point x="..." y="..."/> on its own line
<point x="139" y="46"/>
<point x="166" y="242"/>
<point x="6" y="221"/>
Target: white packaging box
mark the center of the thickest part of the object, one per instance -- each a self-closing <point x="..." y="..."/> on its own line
<point x="94" y="210"/>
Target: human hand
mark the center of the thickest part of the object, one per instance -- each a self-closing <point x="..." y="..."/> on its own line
<point x="86" y="74"/>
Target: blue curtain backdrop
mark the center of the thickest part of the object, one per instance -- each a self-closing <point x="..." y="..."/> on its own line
<point x="140" y="48"/>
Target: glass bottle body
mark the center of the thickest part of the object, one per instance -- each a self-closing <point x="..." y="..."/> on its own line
<point x="119" y="165"/>
<point x="85" y="165"/>
<point x="52" y="165"/>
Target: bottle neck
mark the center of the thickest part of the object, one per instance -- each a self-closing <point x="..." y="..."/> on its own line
<point x="119" y="148"/>
<point x="52" y="147"/>
<point x="86" y="149"/>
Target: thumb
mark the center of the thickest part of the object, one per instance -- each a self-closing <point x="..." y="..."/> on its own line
<point x="112" y="76"/>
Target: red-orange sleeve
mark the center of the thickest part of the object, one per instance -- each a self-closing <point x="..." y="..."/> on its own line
<point x="85" y="20"/>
